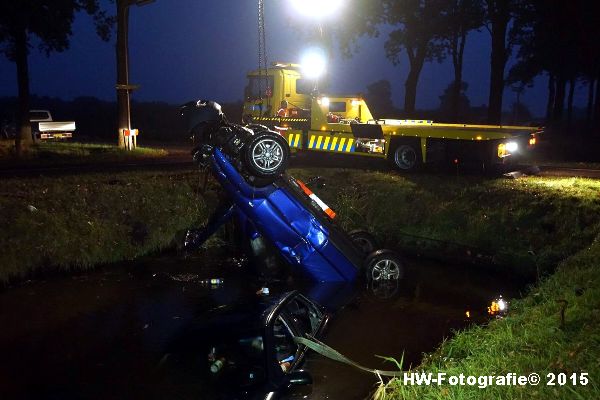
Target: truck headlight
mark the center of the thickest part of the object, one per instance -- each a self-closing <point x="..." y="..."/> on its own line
<point x="512" y="147"/>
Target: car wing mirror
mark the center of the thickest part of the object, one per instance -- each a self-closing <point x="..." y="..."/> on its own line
<point x="300" y="377"/>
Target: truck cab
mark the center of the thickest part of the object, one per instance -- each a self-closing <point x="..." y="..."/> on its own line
<point x="267" y="89"/>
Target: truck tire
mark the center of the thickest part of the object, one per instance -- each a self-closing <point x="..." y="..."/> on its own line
<point x="407" y="157"/>
<point x="266" y="155"/>
<point x="384" y="265"/>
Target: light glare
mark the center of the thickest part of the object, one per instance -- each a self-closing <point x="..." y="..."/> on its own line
<point x="317" y="8"/>
<point x="313" y="64"/>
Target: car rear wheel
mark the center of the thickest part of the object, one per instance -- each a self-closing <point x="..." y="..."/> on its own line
<point x="384" y="265"/>
<point x="267" y="155"/>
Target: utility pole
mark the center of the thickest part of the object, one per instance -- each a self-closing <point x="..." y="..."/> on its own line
<point x="123" y="86"/>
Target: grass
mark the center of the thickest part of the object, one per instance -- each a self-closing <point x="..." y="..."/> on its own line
<point x="45" y="153"/>
<point x="532" y="339"/>
<point x="77" y="222"/>
<point x="548" y="226"/>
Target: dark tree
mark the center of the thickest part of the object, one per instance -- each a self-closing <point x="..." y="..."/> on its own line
<point x="452" y="109"/>
<point x="50" y="21"/>
<point x="460" y="18"/>
<point x="498" y="14"/>
<point x="551" y="42"/>
<point x="419" y="25"/>
<point x="379" y="98"/>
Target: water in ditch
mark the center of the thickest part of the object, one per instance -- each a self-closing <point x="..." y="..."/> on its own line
<point x="107" y="334"/>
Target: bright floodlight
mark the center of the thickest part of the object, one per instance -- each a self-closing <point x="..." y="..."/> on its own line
<point x="317" y="8"/>
<point x="313" y="63"/>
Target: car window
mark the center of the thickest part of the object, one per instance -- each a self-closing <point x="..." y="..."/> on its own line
<point x="304" y="316"/>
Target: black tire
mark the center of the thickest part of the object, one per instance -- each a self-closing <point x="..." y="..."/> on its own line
<point x="384" y="265"/>
<point x="364" y="241"/>
<point x="266" y="155"/>
<point x="406" y="157"/>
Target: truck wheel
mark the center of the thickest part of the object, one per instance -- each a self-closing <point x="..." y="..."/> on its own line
<point x="384" y="265"/>
<point x="267" y="155"/>
<point x="407" y="157"/>
<point x="363" y="240"/>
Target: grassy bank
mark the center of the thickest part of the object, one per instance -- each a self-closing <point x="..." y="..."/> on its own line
<point x="76" y="222"/>
<point x="534" y="338"/>
<point x="533" y="225"/>
<point x="525" y="226"/>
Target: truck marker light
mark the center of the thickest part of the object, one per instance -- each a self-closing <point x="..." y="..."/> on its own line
<point x="502" y="150"/>
<point x="479" y="137"/>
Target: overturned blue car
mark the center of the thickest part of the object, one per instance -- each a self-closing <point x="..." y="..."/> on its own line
<point x="270" y="206"/>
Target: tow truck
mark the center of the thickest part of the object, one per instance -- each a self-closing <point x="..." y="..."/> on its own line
<point x="317" y="122"/>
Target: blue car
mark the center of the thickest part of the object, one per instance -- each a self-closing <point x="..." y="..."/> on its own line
<point x="270" y="206"/>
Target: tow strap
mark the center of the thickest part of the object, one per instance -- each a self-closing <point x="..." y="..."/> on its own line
<point x="335" y="355"/>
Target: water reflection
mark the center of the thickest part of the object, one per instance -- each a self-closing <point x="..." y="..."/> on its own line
<point x="111" y="334"/>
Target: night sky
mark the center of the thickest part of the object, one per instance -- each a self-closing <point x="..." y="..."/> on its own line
<point x="186" y="49"/>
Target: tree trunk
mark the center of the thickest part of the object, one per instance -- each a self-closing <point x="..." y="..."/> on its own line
<point x="499" y="15"/>
<point x="498" y="64"/>
<point x="551" y="97"/>
<point x="559" y="103"/>
<point x="23" y="136"/>
<point x="597" y="106"/>
<point x="123" y="104"/>
<point x="572" y="83"/>
<point x="458" y="77"/>
<point x="590" y="103"/>
<point x="410" y="97"/>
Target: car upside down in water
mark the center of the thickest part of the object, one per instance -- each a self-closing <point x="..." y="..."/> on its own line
<point x="249" y="163"/>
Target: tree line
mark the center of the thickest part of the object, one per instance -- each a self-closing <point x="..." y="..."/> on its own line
<point x="557" y="39"/>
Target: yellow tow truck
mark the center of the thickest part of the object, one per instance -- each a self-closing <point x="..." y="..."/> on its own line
<point x="280" y="98"/>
